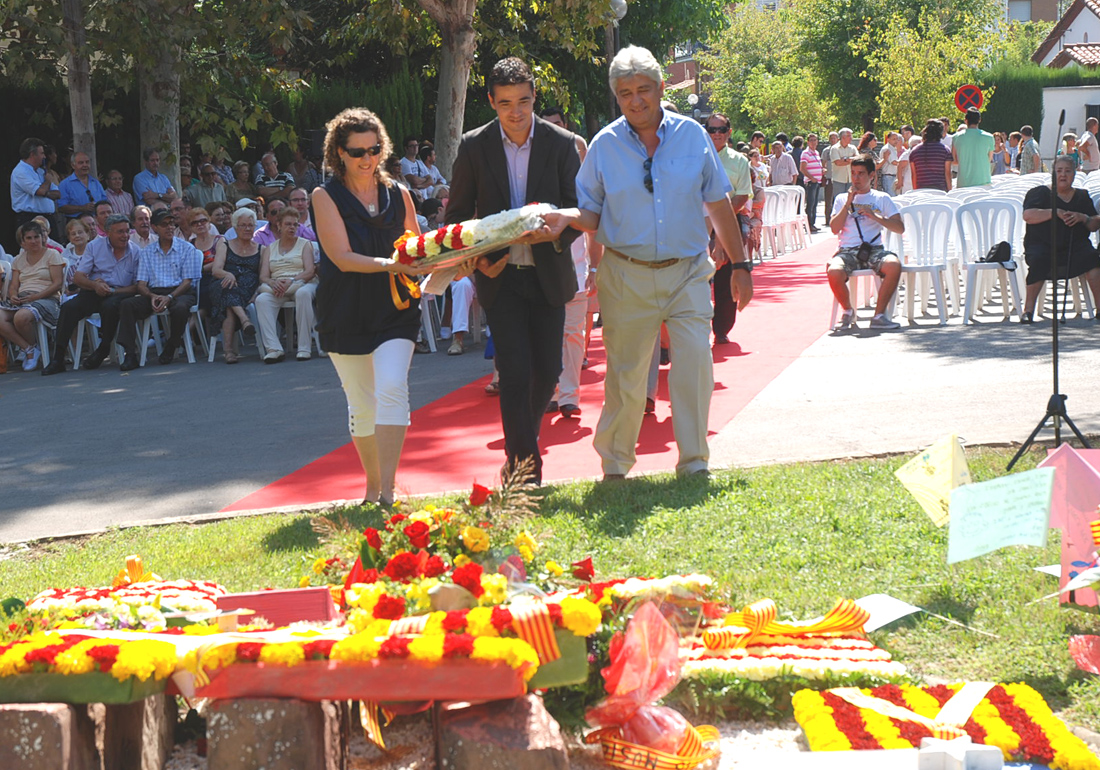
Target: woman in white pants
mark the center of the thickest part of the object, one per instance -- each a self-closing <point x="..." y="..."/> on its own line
<point x="287" y="271"/>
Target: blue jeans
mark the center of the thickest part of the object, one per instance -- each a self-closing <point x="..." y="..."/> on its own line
<point x="813" y="193"/>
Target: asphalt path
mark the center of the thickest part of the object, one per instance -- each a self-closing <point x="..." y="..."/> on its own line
<point x="85" y="450"/>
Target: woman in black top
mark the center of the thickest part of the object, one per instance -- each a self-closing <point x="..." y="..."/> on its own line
<point x="368" y="306"/>
<point x="1076" y="254"/>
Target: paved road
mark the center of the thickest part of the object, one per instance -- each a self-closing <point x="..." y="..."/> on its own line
<point x="84" y="450"/>
<point x="852" y="395"/>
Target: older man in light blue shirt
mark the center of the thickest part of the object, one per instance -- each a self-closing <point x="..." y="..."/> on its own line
<point x="31" y="194"/>
<point x="648" y="180"/>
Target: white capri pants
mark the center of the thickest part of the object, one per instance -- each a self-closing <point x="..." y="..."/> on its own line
<point x="376" y="386"/>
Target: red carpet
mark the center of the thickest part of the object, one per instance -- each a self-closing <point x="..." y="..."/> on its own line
<point x="457" y="439"/>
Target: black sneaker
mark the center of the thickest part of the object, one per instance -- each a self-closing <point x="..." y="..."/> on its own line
<point x="169" y="355"/>
<point x="129" y="363"/>
<point x="552" y="407"/>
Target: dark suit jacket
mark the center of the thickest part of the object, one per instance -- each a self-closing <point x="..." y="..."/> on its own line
<point x="479" y="187"/>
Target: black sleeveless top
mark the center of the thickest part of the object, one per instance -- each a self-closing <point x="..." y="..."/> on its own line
<point x="357" y="312"/>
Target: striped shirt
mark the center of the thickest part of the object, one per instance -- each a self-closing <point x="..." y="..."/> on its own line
<point x="813" y="164"/>
<point x="161" y="270"/>
<point x="928" y="161"/>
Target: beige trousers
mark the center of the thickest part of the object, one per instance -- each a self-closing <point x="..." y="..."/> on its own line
<point x="267" y="312"/>
<point x="634" y="302"/>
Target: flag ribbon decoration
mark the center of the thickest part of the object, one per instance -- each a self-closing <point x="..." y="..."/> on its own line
<point x="946" y="725"/>
<point x="534" y="625"/>
<point x="368" y="718"/>
<point x="758" y="619"/>
<point x="631" y="756"/>
<point x="134" y="573"/>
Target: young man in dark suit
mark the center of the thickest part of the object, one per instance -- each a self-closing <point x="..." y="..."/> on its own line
<point x="514" y="160"/>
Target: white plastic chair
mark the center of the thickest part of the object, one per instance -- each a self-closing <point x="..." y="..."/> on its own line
<point x="771" y="223"/>
<point x="928" y="231"/>
<point x="981" y="225"/>
<point x="290" y="328"/>
<point x="150" y="327"/>
<point x="90" y="327"/>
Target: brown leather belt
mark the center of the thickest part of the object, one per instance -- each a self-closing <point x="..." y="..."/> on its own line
<point x="656" y="265"/>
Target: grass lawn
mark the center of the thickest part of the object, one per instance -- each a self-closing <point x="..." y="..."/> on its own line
<point x="803" y="535"/>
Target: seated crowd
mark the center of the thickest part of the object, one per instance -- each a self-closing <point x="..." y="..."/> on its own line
<point x="234" y="236"/>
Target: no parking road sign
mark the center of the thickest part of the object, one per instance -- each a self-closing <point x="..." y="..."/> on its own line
<point x="968" y="97"/>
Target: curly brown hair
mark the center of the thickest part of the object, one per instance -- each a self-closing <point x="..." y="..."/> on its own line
<point x="355" y="120"/>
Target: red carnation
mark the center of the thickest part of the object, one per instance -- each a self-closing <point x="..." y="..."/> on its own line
<point x="513" y="569"/>
<point x="479" y="495"/>
<point x="555" y="612"/>
<point x="249" y="651"/>
<point x="501" y="619"/>
<point x="434" y="567"/>
<point x="104" y="656"/>
<point x="469" y="577"/>
<point x="455" y="621"/>
<point x="389" y="607"/>
<point x="458" y="646"/>
<point x="582" y="570"/>
<point x="374" y="540"/>
<point x="395" y="647"/>
<point x="402" y="567"/>
<point x="47" y="654"/>
<point x="418" y="534"/>
<point x="370" y="576"/>
<point x="318" y="649"/>
<point x="440" y="234"/>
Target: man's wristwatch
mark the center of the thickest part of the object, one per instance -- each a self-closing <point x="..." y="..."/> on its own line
<point x="746" y="266"/>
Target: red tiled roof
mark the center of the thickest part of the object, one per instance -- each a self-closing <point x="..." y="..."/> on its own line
<point x="1063" y="26"/>
<point x="1085" y="54"/>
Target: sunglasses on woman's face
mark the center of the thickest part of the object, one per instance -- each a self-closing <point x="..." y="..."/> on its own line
<point x="359" y="152"/>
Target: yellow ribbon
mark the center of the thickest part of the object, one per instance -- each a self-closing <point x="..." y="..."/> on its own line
<point x="947" y="724"/>
<point x="412" y="286"/>
<point x="134" y="573"/>
<point x="758" y="619"/>
<point x="1095" y="526"/>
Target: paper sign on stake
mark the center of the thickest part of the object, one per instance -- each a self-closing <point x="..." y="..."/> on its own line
<point x="885" y="609"/>
<point x="1011" y="510"/>
<point x="931" y="475"/>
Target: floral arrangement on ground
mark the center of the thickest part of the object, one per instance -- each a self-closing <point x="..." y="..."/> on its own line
<point x="1013" y="717"/>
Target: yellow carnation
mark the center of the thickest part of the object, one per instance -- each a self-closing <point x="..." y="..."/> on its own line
<point x="289" y="654"/>
<point x="475" y="539"/>
<point x="524" y="539"/>
<point x="426" y="648"/>
<point x="434" y="624"/>
<point x="422" y="515"/>
<point x="462" y="560"/>
<point x="418" y="592"/>
<point x="580" y="616"/>
<point x="515" y="652"/>
<point x="75" y="660"/>
<point x="318" y="566"/>
<point x="304" y="582"/>
<point x="479" y="622"/>
<point x="364" y="596"/>
<point x="526" y="553"/>
<point x="359" y="647"/>
<point x="496" y="589"/>
<point x="554" y="569"/>
<point x="144" y="658"/>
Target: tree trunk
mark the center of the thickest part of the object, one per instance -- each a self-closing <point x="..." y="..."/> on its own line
<point x="459" y="44"/>
<point x="80" y="82"/>
<point x="159" y="97"/>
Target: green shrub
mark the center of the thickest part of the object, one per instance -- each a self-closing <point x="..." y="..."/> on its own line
<point x="1018" y="98"/>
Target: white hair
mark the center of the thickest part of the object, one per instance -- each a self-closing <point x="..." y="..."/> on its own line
<point x="240" y="214"/>
<point x="914" y="140"/>
<point x="633" y="60"/>
<point x="844" y="131"/>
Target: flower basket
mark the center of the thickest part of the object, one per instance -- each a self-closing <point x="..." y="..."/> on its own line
<point x="376" y="680"/>
<point x="93" y="687"/>
<point x="570" y="668"/>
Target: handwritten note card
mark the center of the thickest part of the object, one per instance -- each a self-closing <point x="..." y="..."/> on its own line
<point x="931" y="475"/>
<point x="1011" y="510"/>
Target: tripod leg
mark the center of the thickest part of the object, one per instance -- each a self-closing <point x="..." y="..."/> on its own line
<point x="1028" y="442"/>
<point x="1077" y="433"/>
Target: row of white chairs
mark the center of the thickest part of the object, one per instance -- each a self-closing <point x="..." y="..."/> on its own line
<point x="945" y="234"/>
<point x="784" y="223"/>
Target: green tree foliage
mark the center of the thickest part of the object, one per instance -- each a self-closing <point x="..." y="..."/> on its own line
<point x="750" y="39"/>
<point x="787" y="102"/>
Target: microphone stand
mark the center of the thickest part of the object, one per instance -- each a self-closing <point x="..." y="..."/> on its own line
<point x="1056" y="406"/>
